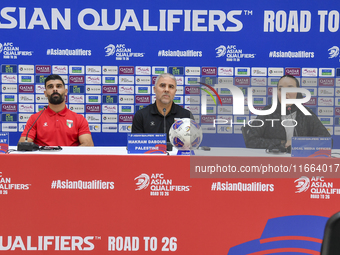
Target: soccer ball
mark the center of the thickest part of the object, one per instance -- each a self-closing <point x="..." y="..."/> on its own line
<point x="185" y="134"/>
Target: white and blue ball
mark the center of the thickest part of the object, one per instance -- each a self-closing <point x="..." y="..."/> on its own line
<point x="185" y="134"/>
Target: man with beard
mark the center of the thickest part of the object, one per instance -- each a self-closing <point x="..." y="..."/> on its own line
<point x="57" y="125"/>
<point x="151" y="118"/>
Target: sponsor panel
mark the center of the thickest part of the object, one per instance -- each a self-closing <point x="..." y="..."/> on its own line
<point x="143" y="70"/>
<point x="110" y="70"/>
<point x="126" y="90"/>
<point x="109" y="118"/>
<point x="60" y="69"/>
<point x="93" y="89"/>
<point x="76" y="70"/>
<point x="176" y="70"/>
<point x="259" y="71"/>
<point x="125" y="128"/>
<point x="92" y="79"/>
<point x="43" y="69"/>
<point x="78" y="108"/>
<point x="93" y="99"/>
<point x="9" y="88"/>
<point x="126" y="109"/>
<point x="110" y="128"/>
<point x="93" y="118"/>
<point x="225" y="71"/>
<point x="93" y="70"/>
<point x="95" y="128"/>
<point x="26" y="69"/>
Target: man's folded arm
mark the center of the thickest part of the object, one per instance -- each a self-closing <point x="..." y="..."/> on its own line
<point x="85" y="140"/>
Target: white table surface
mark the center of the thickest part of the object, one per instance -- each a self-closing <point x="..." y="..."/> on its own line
<point x="215" y="151"/>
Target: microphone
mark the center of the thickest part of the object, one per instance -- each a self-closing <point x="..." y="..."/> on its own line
<point x="290" y="112"/>
<point x="164" y="111"/>
<point x="30" y="146"/>
<point x="168" y="144"/>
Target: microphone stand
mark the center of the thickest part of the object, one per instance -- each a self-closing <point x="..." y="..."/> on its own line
<point x="29" y="146"/>
<point x="290" y="113"/>
<point x="168" y="144"/>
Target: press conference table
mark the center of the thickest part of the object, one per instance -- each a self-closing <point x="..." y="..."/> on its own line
<point x="215" y="151"/>
<point x="101" y="200"/>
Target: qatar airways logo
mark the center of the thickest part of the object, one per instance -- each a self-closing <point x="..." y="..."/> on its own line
<point x="270" y="91"/>
<point x="227" y="99"/>
<point x="337" y="111"/>
<point x="26" y="88"/>
<point x="9" y="108"/>
<point x="93" y="108"/>
<point x="42" y="69"/>
<point x="242" y="81"/>
<point x="207" y="119"/>
<point x="326" y="82"/>
<point x="209" y="71"/>
<point x="76" y="79"/>
<point x="192" y="90"/>
<point x="126" y="70"/>
<point x="110" y="89"/>
<point x="293" y="71"/>
<point x="125" y="118"/>
<point x="143" y="99"/>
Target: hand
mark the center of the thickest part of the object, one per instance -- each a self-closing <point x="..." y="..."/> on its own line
<point x="288" y="143"/>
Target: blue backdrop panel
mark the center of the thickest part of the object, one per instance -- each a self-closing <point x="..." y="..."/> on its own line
<point x="109" y="53"/>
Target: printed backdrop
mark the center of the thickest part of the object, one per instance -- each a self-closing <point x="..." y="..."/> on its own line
<point x="108" y="204"/>
<point x="109" y="53"/>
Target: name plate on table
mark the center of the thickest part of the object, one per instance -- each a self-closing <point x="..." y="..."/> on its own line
<point x="311" y="146"/>
<point x="4" y="141"/>
<point x="146" y="143"/>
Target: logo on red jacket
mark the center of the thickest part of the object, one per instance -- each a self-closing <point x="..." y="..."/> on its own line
<point x="69" y="123"/>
